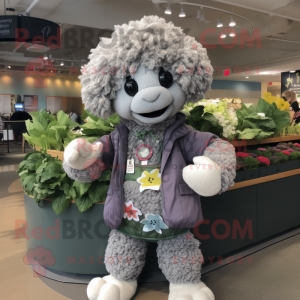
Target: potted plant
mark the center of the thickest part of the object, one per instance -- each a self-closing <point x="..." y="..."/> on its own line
<point x="264" y="164"/>
<point x="251" y="166"/>
<point x="276" y="166"/>
<point x="52" y="133"/>
<point x="240" y="173"/>
<point x="293" y="162"/>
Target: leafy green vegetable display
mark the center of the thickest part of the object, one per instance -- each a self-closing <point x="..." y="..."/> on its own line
<point x="202" y="121"/>
<point x="55" y="133"/>
<point x="47" y="132"/>
<point x="254" y="126"/>
<point x="43" y="177"/>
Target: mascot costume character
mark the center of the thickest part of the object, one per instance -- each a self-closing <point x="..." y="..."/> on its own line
<point x="145" y="73"/>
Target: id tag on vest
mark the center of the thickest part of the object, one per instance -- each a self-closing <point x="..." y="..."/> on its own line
<point x="130" y="166"/>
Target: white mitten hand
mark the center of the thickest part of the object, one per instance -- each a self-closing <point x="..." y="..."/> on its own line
<point x="80" y="154"/>
<point x="204" y="177"/>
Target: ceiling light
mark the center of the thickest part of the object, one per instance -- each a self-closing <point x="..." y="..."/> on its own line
<point x="45" y="56"/>
<point x="223" y="36"/>
<point x="219" y="24"/>
<point x="182" y="13"/>
<point x="168" y="10"/>
<point x="247" y="77"/>
<point x="9" y="67"/>
<point x="62" y="63"/>
<point x="292" y="71"/>
<point x="268" y="73"/>
<point x="232" y="34"/>
<point x="232" y="22"/>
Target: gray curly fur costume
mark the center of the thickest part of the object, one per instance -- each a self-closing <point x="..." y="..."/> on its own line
<point x="153" y="43"/>
<point x="150" y="42"/>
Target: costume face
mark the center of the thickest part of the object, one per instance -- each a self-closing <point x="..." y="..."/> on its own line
<point x="149" y="96"/>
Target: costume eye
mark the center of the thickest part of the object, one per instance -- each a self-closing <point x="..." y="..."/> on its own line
<point x="165" y="78"/>
<point x="131" y="87"/>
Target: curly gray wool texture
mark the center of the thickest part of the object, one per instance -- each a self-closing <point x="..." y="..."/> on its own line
<point x="80" y="175"/>
<point x="223" y="154"/>
<point x="158" y="131"/>
<point x="151" y="42"/>
<point x="125" y="256"/>
<point x="149" y="201"/>
<point x="180" y="259"/>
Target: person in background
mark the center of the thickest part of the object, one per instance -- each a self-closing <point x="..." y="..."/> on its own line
<point x="73" y="116"/>
<point x="19" y="127"/>
<point x="291" y="98"/>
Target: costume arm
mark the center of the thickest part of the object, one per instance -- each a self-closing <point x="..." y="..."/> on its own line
<point x="94" y="171"/>
<point x="223" y="154"/>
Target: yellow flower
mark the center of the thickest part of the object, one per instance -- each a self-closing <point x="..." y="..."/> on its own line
<point x="150" y="179"/>
<point x="281" y="104"/>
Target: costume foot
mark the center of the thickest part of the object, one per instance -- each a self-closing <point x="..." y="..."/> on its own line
<point x="190" y="291"/>
<point x="110" y="288"/>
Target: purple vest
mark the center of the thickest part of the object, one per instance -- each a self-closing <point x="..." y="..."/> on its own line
<point x="181" y="207"/>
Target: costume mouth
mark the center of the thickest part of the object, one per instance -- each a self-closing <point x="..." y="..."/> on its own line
<point x="155" y="114"/>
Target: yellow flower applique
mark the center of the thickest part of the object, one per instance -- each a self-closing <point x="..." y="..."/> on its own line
<point x="151" y="181"/>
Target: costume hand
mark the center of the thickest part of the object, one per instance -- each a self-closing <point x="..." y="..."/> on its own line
<point x="80" y="154"/>
<point x="204" y="177"/>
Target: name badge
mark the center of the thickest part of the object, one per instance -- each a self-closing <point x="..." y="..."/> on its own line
<point x="130" y="166"/>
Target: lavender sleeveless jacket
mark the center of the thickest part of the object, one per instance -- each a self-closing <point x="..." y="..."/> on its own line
<point x="181" y="206"/>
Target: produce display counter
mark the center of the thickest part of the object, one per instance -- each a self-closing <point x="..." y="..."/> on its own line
<point x="250" y="212"/>
<point x="288" y="138"/>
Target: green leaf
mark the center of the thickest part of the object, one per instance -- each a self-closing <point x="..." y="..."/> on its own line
<point x="264" y="107"/>
<point x="105" y="176"/>
<point x="47" y="176"/>
<point x="27" y="179"/>
<point x="23" y="173"/>
<point x="81" y="187"/>
<point x="263" y="135"/>
<point x="243" y="112"/>
<point x="281" y="119"/>
<point x="72" y="192"/>
<point x="266" y="124"/>
<point x="60" y="203"/>
<point x="83" y="203"/>
<point x="98" y="192"/>
<point x="255" y="116"/>
<point x="39" y="121"/>
<point x="249" y="124"/>
<point x="249" y="134"/>
<point x="41" y="168"/>
<point x="114" y="119"/>
<point x="63" y="119"/>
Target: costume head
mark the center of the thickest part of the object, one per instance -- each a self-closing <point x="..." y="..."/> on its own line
<point x="145" y="72"/>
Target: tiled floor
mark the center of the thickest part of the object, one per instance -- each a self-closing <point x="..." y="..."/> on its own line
<point x="273" y="272"/>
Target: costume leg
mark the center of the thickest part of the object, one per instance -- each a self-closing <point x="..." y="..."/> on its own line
<point x="180" y="260"/>
<point x="125" y="256"/>
<point x="124" y="260"/>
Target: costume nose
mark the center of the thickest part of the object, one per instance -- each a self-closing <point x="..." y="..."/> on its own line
<point x="151" y="95"/>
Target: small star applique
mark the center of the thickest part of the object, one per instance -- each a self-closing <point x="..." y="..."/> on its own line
<point x="151" y="181"/>
<point x="153" y="222"/>
<point x="131" y="212"/>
